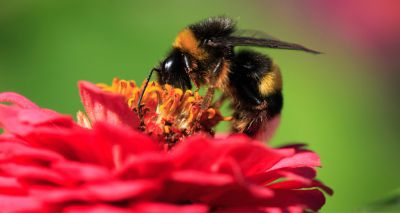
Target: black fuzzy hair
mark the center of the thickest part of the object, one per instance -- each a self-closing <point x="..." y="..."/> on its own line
<point x="213" y="27"/>
<point x="251" y="64"/>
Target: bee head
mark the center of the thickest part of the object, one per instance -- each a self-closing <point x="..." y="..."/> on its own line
<point x="173" y="70"/>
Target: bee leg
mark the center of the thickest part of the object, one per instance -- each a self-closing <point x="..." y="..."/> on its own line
<point x="211" y="89"/>
<point x="261" y="126"/>
<point x="220" y="101"/>
<point x="204" y="106"/>
<point x="208" y="98"/>
<point x="259" y="121"/>
<point x="197" y="86"/>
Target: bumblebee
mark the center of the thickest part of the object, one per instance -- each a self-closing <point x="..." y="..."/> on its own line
<point x="203" y="54"/>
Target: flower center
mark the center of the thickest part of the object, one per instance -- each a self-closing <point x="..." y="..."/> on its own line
<point x="168" y="113"/>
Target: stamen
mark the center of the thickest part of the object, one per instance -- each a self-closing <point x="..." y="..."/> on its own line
<point x="83" y="120"/>
<point x="169" y="114"/>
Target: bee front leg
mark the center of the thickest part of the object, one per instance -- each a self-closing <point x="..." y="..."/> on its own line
<point x="197" y="86"/>
<point x="220" y="101"/>
<point x="204" y="106"/>
<point x="211" y="88"/>
<point x="208" y="98"/>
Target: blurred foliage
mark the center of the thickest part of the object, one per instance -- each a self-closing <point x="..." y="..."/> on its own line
<point x="390" y="203"/>
<point x="333" y="101"/>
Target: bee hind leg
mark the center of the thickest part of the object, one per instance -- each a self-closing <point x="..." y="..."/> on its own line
<point x="255" y="123"/>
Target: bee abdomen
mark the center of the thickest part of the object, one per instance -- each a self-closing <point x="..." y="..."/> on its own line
<point x="253" y="79"/>
<point x="274" y="104"/>
<point x="256" y="91"/>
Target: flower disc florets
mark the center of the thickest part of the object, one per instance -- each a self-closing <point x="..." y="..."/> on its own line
<point x="168" y="113"/>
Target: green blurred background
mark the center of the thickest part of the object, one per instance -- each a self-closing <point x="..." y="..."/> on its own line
<point x="342" y="103"/>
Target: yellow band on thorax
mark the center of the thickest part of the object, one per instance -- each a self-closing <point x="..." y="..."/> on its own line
<point x="186" y="41"/>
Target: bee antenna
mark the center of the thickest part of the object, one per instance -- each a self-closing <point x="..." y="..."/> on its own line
<point x="144" y="89"/>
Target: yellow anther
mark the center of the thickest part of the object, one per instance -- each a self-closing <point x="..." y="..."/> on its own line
<point x="211" y="113"/>
<point x="167" y="129"/>
<point x="227" y="118"/>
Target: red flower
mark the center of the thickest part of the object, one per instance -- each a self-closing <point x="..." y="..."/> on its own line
<point x="48" y="163"/>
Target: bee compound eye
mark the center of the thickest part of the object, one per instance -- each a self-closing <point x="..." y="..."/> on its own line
<point x="168" y="65"/>
<point x="174" y="63"/>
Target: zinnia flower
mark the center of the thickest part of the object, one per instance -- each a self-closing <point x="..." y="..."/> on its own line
<point x="49" y="163"/>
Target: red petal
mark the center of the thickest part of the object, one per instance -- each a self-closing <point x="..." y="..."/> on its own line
<point x="33" y="174"/>
<point x="247" y="195"/>
<point x="120" y="190"/>
<point x="18" y="100"/>
<point x="313" y="199"/>
<point x="202" y="178"/>
<point x="252" y="157"/>
<point x="19" y="204"/>
<point x="150" y="165"/>
<point x="14" y="151"/>
<point x="257" y="209"/>
<point x="267" y="177"/>
<point x="215" y="191"/>
<point x="22" y="121"/>
<point x="299" y="184"/>
<point x="153" y="207"/>
<point x="78" y="144"/>
<point x="106" y="106"/>
<point x="130" y="142"/>
<point x="11" y="186"/>
<point x="189" y="154"/>
<point x="99" y="192"/>
<point x="105" y="144"/>
<point x="300" y="159"/>
<point x="96" y="208"/>
<point x="82" y="172"/>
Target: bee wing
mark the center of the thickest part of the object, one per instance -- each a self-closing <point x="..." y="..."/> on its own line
<point x="257" y="39"/>
<point x="252" y="34"/>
